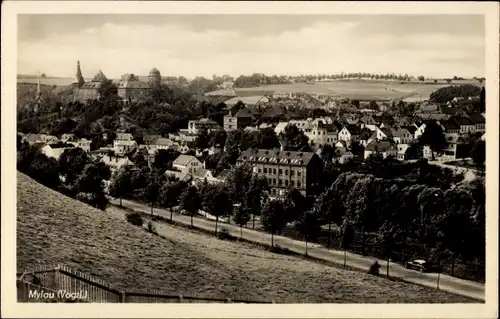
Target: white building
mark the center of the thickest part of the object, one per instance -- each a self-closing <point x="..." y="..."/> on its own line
<point x="194" y="127"/>
<point x="189" y="165"/>
<point x="82" y="143"/>
<point x="124" y="143"/>
<point x="55" y="150"/>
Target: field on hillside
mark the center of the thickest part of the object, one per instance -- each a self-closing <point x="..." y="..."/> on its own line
<point x="357" y="89"/>
<point x="52" y="228"/>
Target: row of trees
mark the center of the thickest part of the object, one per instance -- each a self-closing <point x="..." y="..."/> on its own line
<point x="257" y="79"/>
<point x="406" y="217"/>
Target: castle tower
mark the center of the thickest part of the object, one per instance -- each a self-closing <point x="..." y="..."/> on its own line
<point x="154" y="78"/>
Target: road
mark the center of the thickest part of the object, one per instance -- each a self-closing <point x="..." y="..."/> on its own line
<point x="446" y="283"/>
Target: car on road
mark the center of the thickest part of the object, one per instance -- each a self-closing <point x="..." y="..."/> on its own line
<point x="419" y="265"/>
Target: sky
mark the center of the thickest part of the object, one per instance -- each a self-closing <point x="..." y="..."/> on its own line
<point x="192" y="45"/>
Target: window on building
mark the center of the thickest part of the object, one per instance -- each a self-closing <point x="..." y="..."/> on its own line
<point x="286" y="172"/>
<point x="273" y="191"/>
<point x="292" y="182"/>
<point x="292" y="172"/>
<point x="260" y="171"/>
<point x="286" y="182"/>
<point x="280" y="171"/>
<point x="299" y="173"/>
<point x="274" y="171"/>
<point x="279" y="182"/>
<point x="265" y="170"/>
<point x="298" y="184"/>
<point x="274" y="181"/>
<point x="269" y="181"/>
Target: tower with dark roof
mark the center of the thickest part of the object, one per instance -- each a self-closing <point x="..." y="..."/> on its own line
<point x="154" y="78"/>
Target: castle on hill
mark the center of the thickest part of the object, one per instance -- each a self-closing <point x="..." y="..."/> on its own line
<point x="129" y="86"/>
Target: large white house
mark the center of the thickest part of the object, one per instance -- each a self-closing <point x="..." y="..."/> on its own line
<point x="189" y="164"/>
<point x="55" y="150"/>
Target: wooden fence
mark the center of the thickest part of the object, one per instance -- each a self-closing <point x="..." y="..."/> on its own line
<point x="65" y="284"/>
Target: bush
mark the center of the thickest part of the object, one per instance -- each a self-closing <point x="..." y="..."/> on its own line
<point x="97" y="200"/>
<point x="135" y="219"/>
<point x="152" y="228"/>
<point x="224" y="234"/>
<point x="279" y="250"/>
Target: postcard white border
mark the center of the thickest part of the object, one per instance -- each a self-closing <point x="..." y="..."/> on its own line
<point x="12" y="309"/>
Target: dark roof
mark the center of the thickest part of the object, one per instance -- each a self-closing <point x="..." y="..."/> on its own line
<point x="150" y="138"/>
<point x="451" y="125"/>
<point x="451" y="110"/>
<point x="91" y="85"/>
<point x="432" y="116"/>
<point x="276" y="156"/>
<point x="398" y="132"/>
<point x="244" y="113"/>
<point x="380" y="146"/>
<point x="367" y="119"/>
<point x="353" y="129"/>
<point x="411" y="128"/>
<point x="462" y="120"/>
<point x="61" y="145"/>
<point x="477" y="118"/>
<point x="387" y="131"/>
<point x="328" y="127"/>
<point x="365" y="135"/>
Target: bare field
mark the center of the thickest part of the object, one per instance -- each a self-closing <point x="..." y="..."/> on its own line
<point x="52" y="228"/>
<point x="358" y="89"/>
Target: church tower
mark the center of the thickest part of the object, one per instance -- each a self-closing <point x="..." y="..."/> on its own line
<point x="38" y="98"/>
<point x="79" y="77"/>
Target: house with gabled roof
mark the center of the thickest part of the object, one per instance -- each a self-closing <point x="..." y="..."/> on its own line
<point x="452" y="111"/>
<point x="209" y="125"/>
<point x="349" y="133"/>
<point x="366" y="137"/>
<point x="188" y="164"/>
<point x="247" y="100"/>
<point x="367" y="121"/>
<point x="163" y="143"/>
<point x="55" y="150"/>
<point x="412" y="129"/>
<point x="385" y="148"/>
<point x="124" y="143"/>
<point x="450" y="126"/>
<point x="116" y="162"/>
<point x="237" y="119"/>
<point x="181" y="176"/>
<point x="465" y="123"/>
<point x="383" y="133"/>
<point x="479" y="122"/>
<point x="401" y="151"/>
<point x="401" y="136"/>
<point x="455" y="147"/>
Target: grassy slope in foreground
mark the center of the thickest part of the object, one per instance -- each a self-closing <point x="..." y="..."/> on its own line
<point x="53" y="228"/>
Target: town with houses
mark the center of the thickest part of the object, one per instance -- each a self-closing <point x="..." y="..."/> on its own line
<point x="375" y="130"/>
